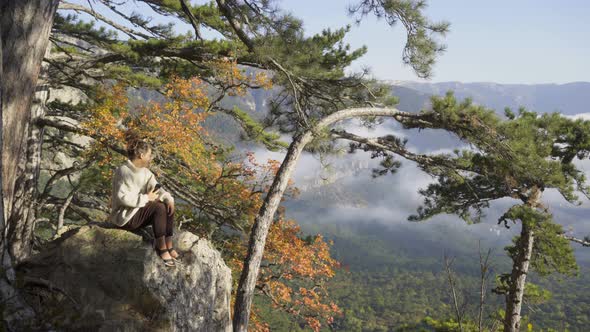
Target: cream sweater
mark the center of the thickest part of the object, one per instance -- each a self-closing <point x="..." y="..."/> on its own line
<point x="130" y="187"/>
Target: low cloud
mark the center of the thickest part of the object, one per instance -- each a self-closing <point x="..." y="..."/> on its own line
<point x="389" y="200"/>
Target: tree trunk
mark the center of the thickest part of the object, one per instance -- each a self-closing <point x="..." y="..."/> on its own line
<point x="520" y="269"/>
<point x="521" y="263"/>
<point x="14" y="309"/>
<point x="62" y="211"/>
<point x="26" y="25"/>
<point x="262" y="223"/>
<point x="3" y="227"/>
<point x="24" y="209"/>
<point x="247" y="283"/>
<point x="24" y="35"/>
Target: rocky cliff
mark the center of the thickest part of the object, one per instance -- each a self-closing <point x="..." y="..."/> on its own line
<point x="99" y="279"/>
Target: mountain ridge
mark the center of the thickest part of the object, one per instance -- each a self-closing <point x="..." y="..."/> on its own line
<point x="567" y="98"/>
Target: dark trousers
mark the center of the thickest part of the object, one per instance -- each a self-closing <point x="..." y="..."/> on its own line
<point x="153" y="213"/>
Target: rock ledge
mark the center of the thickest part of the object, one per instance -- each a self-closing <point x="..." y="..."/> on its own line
<point x="100" y="279"/>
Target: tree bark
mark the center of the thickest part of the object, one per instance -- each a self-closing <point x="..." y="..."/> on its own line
<point x="3" y="227"/>
<point x="24" y="35"/>
<point x="14" y="309"/>
<point x="25" y="27"/>
<point x="24" y="208"/>
<point x="520" y="269"/>
<point x="62" y="211"/>
<point x="521" y="263"/>
<point x="247" y="283"/>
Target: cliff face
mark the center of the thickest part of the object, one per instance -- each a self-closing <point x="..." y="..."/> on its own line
<point x="97" y="279"/>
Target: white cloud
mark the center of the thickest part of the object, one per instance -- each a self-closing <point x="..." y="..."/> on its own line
<point x="583" y="116"/>
<point x="392" y="198"/>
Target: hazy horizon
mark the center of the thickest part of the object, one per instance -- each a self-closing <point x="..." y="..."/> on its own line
<point x="479" y="82"/>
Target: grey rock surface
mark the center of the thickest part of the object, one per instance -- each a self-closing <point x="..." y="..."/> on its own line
<point x="112" y="280"/>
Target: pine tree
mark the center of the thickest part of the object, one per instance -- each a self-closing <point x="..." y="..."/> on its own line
<point x="518" y="157"/>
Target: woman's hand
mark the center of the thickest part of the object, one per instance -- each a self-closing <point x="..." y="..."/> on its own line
<point x="152" y="196"/>
<point x="170" y="206"/>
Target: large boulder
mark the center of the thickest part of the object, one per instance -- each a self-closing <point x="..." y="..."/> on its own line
<point x="99" y="279"/>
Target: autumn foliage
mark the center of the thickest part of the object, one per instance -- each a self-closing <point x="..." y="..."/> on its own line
<point x="291" y="260"/>
<point x="293" y="274"/>
<point x="294" y="268"/>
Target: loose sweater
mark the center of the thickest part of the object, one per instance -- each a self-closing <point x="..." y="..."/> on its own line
<point x="131" y="185"/>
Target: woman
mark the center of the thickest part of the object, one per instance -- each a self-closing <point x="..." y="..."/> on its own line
<point x="136" y="202"/>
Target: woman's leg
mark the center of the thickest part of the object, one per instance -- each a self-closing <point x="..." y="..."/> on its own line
<point x="159" y="225"/>
<point x="170" y="234"/>
<point x="153" y="213"/>
<point x="142" y="218"/>
<point x="159" y="220"/>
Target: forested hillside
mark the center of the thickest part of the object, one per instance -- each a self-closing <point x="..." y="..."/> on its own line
<point x="393" y="279"/>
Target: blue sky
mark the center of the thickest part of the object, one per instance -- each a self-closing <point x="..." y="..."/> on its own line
<point x="501" y="41"/>
<point x="519" y="41"/>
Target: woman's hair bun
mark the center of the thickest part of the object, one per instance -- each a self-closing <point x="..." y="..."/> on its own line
<point x="135" y="145"/>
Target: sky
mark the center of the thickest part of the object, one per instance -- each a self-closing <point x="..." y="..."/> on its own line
<point x="500" y="41"/>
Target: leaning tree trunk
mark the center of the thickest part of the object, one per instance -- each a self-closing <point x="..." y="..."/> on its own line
<point x="247" y="283"/>
<point x="262" y="223"/>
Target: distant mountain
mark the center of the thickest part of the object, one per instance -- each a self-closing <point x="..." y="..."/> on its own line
<point x="570" y="98"/>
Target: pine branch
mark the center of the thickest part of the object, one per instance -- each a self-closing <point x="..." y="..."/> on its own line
<point x="192" y="19"/>
<point x="130" y="32"/>
<point x="386" y="143"/>
<point x="583" y="242"/>
<point x="227" y="11"/>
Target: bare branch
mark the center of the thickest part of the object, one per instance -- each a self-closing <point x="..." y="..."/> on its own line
<point x="227" y="11"/>
<point x="583" y="242"/>
<point x="130" y="32"/>
<point x="58" y="175"/>
<point x="192" y="19"/>
<point x="384" y="143"/>
<point x="64" y="207"/>
<point x="448" y="262"/>
<point x="484" y="269"/>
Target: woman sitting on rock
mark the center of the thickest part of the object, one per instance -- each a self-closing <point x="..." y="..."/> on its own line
<point x="138" y="200"/>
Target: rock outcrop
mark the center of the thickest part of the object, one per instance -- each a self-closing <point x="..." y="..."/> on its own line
<point x="100" y="279"/>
